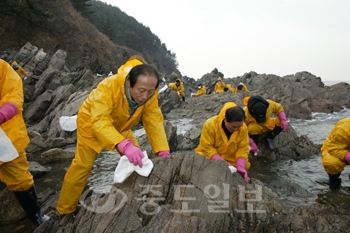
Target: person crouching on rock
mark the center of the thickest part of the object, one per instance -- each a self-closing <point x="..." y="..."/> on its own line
<point x="259" y="121"/>
<point x="105" y="120"/>
<point x="336" y="152"/>
<point x="201" y="91"/>
<point x="14" y="171"/>
<point x="225" y="137"/>
<point x="219" y="86"/>
<point x="179" y="88"/>
<point x="241" y="87"/>
<point x="19" y="70"/>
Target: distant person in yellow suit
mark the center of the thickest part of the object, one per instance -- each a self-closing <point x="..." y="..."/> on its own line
<point x="336" y="152"/>
<point x="225" y="137"/>
<point x="241" y="87"/>
<point x="178" y="87"/>
<point x="259" y="121"/>
<point x="219" y="86"/>
<point x="230" y="88"/>
<point x="105" y="120"/>
<point x="14" y="173"/>
<point x="20" y="71"/>
<point x="201" y="91"/>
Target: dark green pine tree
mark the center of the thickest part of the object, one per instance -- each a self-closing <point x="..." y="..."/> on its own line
<point x="108" y="30"/>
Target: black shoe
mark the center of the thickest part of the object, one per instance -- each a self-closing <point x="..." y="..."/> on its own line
<point x="268" y="143"/>
<point x="334" y="181"/>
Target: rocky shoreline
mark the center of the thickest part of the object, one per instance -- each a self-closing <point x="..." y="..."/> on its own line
<point x="52" y="91"/>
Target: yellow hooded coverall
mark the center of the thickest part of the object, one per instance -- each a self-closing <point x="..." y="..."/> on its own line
<point x="219" y="86"/>
<point x="334" y="148"/>
<point x="180" y="89"/>
<point x="201" y="91"/>
<point x="213" y="140"/>
<point x="14" y="173"/>
<point x="18" y="69"/>
<point x="230" y="88"/>
<point x="244" y="88"/>
<point x="254" y="127"/>
<point x="104" y="121"/>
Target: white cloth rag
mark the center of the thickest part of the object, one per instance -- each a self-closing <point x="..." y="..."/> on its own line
<point x="125" y="168"/>
<point x="7" y="151"/>
<point x="232" y="169"/>
<point x="68" y="123"/>
<point x="163" y="89"/>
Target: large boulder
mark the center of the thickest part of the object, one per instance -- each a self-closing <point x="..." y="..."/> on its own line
<point x="189" y="193"/>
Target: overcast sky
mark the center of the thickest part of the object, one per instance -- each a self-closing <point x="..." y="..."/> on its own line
<point x="238" y="36"/>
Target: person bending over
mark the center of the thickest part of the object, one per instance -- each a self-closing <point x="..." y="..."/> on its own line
<point x="336" y="152"/>
<point x="105" y="120"/>
<point x="15" y="173"/>
<point x="259" y="121"/>
<point x="225" y="137"/>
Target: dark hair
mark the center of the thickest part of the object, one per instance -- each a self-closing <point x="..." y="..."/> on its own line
<point x="144" y="69"/>
<point x="240" y="87"/>
<point x="235" y="114"/>
<point x="225" y="89"/>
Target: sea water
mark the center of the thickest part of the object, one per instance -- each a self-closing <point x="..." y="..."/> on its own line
<point x="305" y="181"/>
<point x="332" y="82"/>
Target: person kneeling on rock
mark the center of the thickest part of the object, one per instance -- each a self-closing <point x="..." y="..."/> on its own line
<point x="225" y="137"/>
<point x="201" y="91"/>
<point x="336" y="152"/>
<point x="259" y="121"/>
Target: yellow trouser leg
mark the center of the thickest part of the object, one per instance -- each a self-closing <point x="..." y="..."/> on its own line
<point x="75" y="179"/>
<point x="332" y="165"/>
<point x="15" y="173"/>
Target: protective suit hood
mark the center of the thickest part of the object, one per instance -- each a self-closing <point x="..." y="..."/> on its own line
<point x="260" y="105"/>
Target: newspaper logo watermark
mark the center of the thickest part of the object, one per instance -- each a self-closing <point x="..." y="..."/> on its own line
<point x="257" y="194"/>
<point x="150" y="205"/>
<point x="93" y="200"/>
<point x="151" y="197"/>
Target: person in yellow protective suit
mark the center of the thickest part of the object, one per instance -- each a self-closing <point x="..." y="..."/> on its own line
<point x="201" y="91"/>
<point x="230" y="88"/>
<point x="219" y="86"/>
<point x="14" y="173"/>
<point x="259" y="121"/>
<point x="105" y="120"/>
<point x="241" y="87"/>
<point x="178" y="87"/>
<point x="336" y="152"/>
<point x="20" y="71"/>
<point x="225" y="137"/>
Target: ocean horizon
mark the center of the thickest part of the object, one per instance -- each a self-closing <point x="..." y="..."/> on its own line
<point x="332" y="82"/>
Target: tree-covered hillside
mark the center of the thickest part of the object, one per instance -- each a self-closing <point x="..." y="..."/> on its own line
<point x="125" y="30"/>
<point x="94" y="34"/>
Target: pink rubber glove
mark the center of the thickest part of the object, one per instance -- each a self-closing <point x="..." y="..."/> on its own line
<point x="253" y="147"/>
<point x="347" y="157"/>
<point x="164" y="153"/>
<point x="240" y="165"/>
<point x="7" y="111"/>
<point x="283" y="119"/>
<point x="133" y="153"/>
<point x="216" y="157"/>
